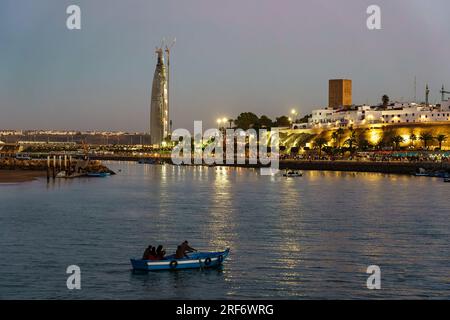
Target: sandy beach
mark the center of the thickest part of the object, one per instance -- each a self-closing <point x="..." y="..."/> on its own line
<point x="13" y="176"/>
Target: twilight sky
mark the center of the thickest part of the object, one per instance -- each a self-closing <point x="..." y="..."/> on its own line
<point x="230" y="56"/>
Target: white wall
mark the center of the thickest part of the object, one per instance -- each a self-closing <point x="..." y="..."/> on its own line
<point x="445" y="105"/>
<point x="412" y="113"/>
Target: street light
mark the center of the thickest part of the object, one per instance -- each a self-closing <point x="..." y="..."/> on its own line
<point x="294" y="114"/>
<point x="222" y="122"/>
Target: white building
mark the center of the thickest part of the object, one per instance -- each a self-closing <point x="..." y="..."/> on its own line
<point x="410" y="114"/>
<point x="445" y="105"/>
<point x="336" y="118"/>
<point x="364" y="115"/>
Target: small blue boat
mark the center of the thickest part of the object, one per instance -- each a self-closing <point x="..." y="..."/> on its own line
<point x="195" y="260"/>
<point x="147" y="161"/>
<point x="98" y="174"/>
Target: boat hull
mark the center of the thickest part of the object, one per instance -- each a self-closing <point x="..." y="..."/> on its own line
<point x="195" y="261"/>
<point x="98" y="174"/>
<point x="147" y="161"/>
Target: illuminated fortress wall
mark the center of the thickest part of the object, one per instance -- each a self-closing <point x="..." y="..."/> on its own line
<point x="374" y="134"/>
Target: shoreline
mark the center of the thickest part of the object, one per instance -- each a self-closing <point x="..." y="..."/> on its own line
<point x="400" y="168"/>
<point x="16" y="171"/>
<point x="19" y="175"/>
<point x="388" y="167"/>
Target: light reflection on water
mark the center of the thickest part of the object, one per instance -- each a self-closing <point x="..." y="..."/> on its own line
<point x="309" y="237"/>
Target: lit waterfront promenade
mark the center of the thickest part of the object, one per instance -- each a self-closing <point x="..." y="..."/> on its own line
<point x="387" y="163"/>
<point x="394" y="167"/>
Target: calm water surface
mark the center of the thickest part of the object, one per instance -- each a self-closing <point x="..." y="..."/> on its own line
<point x="295" y="238"/>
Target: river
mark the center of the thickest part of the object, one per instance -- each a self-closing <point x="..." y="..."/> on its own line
<point x="311" y="237"/>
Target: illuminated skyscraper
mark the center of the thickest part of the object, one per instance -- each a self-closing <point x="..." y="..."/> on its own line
<point x="159" y="108"/>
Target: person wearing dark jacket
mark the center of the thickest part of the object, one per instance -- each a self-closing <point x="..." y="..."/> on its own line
<point x="147" y="252"/>
<point x="160" y="253"/>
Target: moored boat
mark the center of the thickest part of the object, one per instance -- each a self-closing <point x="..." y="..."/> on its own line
<point x="98" y="174"/>
<point x="147" y="161"/>
<point x="195" y="260"/>
<point x="440" y="174"/>
<point x="64" y="175"/>
<point x="432" y="174"/>
<point x="422" y="174"/>
<point x="292" y="173"/>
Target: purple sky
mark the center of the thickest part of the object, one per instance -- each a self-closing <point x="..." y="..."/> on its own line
<point x="230" y="56"/>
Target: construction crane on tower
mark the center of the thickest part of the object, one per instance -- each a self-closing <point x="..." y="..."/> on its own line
<point x="167" y="49"/>
<point x="443" y="92"/>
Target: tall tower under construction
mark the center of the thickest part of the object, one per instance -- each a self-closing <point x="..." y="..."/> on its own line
<point x="159" y="107"/>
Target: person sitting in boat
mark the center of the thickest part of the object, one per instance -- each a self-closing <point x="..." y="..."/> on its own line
<point x="160" y="253"/>
<point x="152" y="255"/>
<point x="182" y="249"/>
<point x="147" y="252"/>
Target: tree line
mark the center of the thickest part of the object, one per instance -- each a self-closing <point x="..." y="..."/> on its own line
<point x="249" y="120"/>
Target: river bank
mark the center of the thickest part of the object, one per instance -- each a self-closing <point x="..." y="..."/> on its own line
<point x="390" y="167"/>
<point x="15" y="176"/>
<point x="403" y="168"/>
<point x="19" y="170"/>
<point x="335" y="224"/>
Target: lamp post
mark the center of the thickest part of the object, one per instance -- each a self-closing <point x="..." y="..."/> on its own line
<point x="222" y="122"/>
<point x="294" y="114"/>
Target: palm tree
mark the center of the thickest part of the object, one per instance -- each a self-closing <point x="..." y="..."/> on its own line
<point x="396" y="141"/>
<point x="351" y="140"/>
<point x="385" y="100"/>
<point x="335" y="137"/>
<point x="412" y="138"/>
<point x="339" y="133"/>
<point x="441" y="138"/>
<point x="426" y="137"/>
<point x="320" y="143"/>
